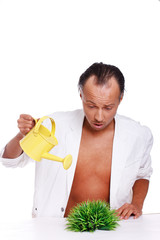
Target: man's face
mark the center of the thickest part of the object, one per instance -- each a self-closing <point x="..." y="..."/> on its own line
<point x="100" y="103"/>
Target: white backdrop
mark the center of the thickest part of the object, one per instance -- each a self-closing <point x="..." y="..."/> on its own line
<point x="46" y="45"/>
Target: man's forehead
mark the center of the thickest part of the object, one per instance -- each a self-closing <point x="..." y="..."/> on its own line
<point x="93" y="80"/>
<point x="92" y="83"/>
<point x="105" y="93"/>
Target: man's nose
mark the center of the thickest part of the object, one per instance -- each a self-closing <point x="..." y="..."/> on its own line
<point x="99" y="115"/>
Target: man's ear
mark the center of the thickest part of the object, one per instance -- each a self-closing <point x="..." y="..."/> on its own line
<point x="81" y="94"/>
<point x="121" y="97"/>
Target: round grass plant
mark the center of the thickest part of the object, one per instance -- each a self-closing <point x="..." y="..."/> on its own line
<point x="91" y="215"/>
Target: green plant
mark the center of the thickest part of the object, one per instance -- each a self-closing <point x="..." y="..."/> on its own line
<point x="92" y="215"/>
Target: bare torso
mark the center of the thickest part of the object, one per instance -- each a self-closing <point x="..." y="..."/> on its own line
<point x="93" y="170"/>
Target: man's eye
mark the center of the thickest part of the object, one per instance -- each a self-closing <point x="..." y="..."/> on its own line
<point x="91" y="106"/>
<point x="108" y="108"/>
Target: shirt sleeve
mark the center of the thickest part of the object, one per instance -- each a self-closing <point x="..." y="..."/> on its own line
<point x="145" y="170"/>
<point x="20" y="161"/>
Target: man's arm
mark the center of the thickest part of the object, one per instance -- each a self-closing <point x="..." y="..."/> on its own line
<point x="13" y="148"/>
<point x="140" y="190"/>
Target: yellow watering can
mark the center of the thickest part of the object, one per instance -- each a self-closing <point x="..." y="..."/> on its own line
<point x="39" y="141"/>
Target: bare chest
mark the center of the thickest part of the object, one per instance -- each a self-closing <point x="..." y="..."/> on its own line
<point x="94" y="160"/>
<point x="93" y="170"/>
<point x="94" y="157"/>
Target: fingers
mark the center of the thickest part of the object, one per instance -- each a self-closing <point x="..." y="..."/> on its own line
<point x="25" y="123"/>
<point x="127" y="210"/>
<point x="137" y="215"/>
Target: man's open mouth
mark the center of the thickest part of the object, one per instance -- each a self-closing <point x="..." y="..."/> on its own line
<point x="98" y="125"/>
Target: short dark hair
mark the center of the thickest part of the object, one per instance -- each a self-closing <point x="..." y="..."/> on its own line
<point x="103" y="72"/>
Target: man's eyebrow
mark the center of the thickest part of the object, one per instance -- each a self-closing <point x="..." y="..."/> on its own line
<point x="90" y="101"/>
<point x="110" y="105"/>
<point x="106" y="105"/>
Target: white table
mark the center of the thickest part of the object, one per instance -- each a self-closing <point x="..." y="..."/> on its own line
<point x="147" y="227"/>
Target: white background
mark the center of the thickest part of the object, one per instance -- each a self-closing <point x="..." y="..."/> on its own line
<point x="44" y="48"/>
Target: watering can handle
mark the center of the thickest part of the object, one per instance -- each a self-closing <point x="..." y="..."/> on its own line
<point x="38" y="123"/>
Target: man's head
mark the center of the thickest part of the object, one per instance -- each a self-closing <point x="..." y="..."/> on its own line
<point x="103" y="73"/>
<point x="101" y="89"/>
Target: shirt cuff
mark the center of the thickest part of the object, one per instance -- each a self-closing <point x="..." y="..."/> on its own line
<point x="20" y="161"/>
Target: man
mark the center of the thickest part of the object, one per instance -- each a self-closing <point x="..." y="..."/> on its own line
<point x="111" y="153"/>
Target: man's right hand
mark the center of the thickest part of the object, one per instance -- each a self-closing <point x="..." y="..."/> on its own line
<point x="25" y="123"/>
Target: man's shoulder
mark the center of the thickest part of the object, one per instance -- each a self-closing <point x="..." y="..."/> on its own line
<point x="66" y="115"/>
<point x="132" y="126"/>
<point x="69" y="119"/>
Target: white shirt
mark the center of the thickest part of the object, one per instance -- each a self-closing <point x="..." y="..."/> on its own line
<point x="130" y="161"/>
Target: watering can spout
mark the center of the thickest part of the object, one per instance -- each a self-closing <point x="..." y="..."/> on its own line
<point x="39" y="141"/>
<point x="67" y="161"/>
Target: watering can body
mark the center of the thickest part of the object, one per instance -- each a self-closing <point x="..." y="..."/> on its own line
<point x="39" y="141"/>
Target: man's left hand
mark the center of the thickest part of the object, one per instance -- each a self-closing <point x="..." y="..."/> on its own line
<point x="127" y="210"/>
